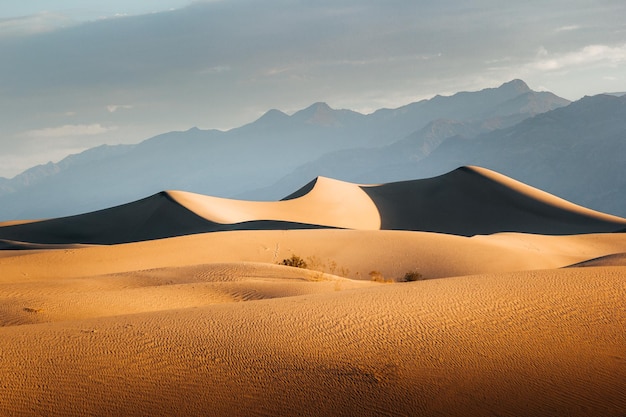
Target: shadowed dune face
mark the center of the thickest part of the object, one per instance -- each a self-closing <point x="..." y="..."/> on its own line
<point x="471" y="201"/>
<point x="468" y="201"/>
<point x="615" y="259"/>
<point x="150" y="218"/>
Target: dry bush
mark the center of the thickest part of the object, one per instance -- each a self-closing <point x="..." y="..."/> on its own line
<point x="413" y="276"/>
<point x="295" y="261"/>
<point x="377" y="276"/>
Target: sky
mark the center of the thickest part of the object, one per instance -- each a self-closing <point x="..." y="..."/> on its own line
<point x="79" y="73"/>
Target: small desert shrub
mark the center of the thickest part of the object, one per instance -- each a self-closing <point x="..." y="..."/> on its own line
<point x="377" y="276"/>
<point x="295" y="261"/>
<point x="413" y="276"/>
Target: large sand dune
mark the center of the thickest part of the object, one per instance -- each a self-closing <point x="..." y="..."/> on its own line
<point x="471" y="200"/>
<point x="467" y="201"/>
<point x="183" y="309"/>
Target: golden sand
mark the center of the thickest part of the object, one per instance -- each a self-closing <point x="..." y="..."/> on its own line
<point x="209" y="324"/>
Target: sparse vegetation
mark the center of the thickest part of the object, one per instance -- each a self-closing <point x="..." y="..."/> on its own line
<point x="314" y="263"/>
<point x="377" y="276"/>
<point x="413" y="276"/>
<point x="295" y="261"/>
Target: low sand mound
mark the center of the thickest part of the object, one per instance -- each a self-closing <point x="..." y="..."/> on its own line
<point x="467" y="201"/>
<point x="60" y="299"/>
<point x="616" y="259"/>
<point x="541" y="343"/>
<point x="349" y="253"/>
<point x="471" y="201"/>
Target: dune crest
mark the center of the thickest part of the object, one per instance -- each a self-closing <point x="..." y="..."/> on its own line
<point x="542" y="196"/>
<point x="476" y="201"/>
<point x="329" y="203"/>
<point x="468" y="201"/>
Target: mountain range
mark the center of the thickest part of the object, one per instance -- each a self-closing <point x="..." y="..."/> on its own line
<point x="574" y="150"/>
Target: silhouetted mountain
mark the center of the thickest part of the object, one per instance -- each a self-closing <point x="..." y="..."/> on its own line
<point x="577" y="152"/>
<point x="256" y="155"/>
<point x="364" y="164"/>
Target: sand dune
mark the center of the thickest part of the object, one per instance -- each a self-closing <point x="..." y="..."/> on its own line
<point x="471" y="201"/>
<point x="616" y="259"/>
<point x="468" y="201"/>
<point x="177" y="305"/>
<point x="327" y="202"/>
<point x="208" y="324"/>
<point x="60" y="299"/>
<point x="548" y="342"/>
<point x="350" y="253"/>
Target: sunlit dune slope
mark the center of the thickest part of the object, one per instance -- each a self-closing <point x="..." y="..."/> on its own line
<point x="349" y="253"/>
<point x="467" y="201"/>
<point x="326" y="202"/>
<point x="56" y="298"/>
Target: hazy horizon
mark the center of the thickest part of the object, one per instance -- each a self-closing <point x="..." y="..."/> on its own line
<point x="80" y="74"/>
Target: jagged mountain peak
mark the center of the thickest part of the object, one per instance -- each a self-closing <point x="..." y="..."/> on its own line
<point x="516" y="85"/>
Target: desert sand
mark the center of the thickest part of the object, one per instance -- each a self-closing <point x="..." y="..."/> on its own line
<point x="206" y="322"/>
<point x="468" y="201"/>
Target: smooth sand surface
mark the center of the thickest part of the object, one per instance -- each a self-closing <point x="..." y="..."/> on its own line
<point x="329" y="203"/>
<point x="349" y="253"/>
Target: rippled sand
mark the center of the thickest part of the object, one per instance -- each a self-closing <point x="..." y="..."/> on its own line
<point x="209" y="325"/>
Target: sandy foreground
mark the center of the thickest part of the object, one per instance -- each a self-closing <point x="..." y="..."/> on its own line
<point x="209" y="324"/>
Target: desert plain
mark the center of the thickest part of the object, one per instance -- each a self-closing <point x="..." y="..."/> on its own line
<point x="179" y="304"/>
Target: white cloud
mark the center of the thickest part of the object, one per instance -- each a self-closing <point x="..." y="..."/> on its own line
<point x="69" y="130"/>
<point x="215" y="69"/>
<point x="567" y="28"/>
<point x="33" y="24"/>
<point x="112" y="108"/>
<point x="589" y="55"/>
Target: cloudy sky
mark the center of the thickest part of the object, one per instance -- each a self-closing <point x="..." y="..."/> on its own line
<point x="78" y="73"/>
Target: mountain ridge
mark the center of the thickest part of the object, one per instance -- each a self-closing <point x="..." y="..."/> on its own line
<point x="241" y="160"/>
<point x="576" y="151"/>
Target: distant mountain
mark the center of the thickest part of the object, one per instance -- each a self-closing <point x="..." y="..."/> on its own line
<point x="577" y="152"/>
<point x="254" y="156"/>
<point x="40" y="173"/>
<point x="365" y="164"/>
